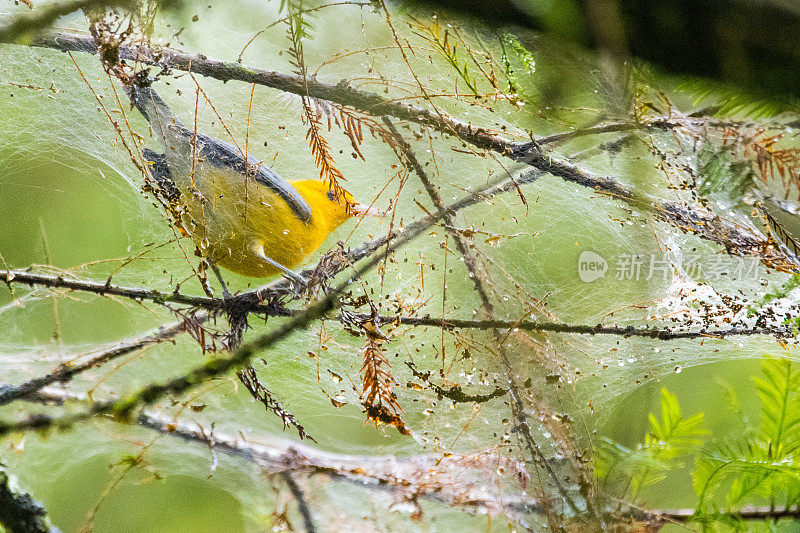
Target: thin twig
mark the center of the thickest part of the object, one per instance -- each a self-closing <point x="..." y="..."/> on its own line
<point x="664" y="334"/>
<point x="302" y="505"/>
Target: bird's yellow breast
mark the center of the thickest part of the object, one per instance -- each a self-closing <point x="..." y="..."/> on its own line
<point x="231" y="220"/>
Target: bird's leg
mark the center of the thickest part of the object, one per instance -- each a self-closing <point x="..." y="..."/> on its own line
<point x="299" y="283"/>
<point x="225" y="293"/>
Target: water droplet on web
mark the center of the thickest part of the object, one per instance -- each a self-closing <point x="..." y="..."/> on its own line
<point x="678" y="369"/>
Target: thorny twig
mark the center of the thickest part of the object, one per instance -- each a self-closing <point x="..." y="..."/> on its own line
<point x="247" y="375"/>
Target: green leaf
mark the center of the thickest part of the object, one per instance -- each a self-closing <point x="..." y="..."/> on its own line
<point x="675" y="436"/>
<point x="780" y="415"/>
<point x="733" y="101"/>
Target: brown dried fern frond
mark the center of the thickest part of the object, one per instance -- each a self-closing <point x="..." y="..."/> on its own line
<point x="296" y="30"/>
<point x="773" y="163"/>
<point x="377" y="395"/>
<point x="249" y="379"/>
<point x="321" y="150"/>
<point x="353" y="121"/>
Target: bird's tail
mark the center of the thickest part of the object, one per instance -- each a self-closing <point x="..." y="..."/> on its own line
<point x="155" y="111"/>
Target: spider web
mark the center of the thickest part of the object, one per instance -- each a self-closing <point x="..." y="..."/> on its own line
<point x="61" y="157"/>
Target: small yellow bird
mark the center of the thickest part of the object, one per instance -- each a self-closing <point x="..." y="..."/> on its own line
<point x="240" y="214"/>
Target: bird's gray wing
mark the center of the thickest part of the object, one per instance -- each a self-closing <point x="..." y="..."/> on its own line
<point x="222" y="154"/>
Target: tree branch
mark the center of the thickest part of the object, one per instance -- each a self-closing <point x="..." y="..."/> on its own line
<point x="663" y="334"/>
<point x="726" y="233"/>
<point x="104" y="289"/>
<point x="19" y="513"/>
<point x="455" y="479"/>
<point x="66" y="371"/>
<point x="45" y="15"/>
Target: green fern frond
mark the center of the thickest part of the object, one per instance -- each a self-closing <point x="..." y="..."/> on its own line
<point x="674" y="436"/>
<point x="733" y="101"/>
<point x="746" y="468"/>
<point x="623" y="469"/>
<point x="298" y="18"/>
<point x="764" y="465"/>
<point x="511" y="47"/>
<point x="780" y="415"/>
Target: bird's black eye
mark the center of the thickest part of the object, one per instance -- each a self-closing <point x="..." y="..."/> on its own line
<point x="331" y="196"/>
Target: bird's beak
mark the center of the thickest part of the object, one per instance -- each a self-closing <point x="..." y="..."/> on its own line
<point x="365" y="210"/>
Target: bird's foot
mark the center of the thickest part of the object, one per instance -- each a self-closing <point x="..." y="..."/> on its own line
<point x="226" y="294"/>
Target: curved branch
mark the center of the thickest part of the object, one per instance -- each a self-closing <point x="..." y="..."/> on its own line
<point x="45" y="15"/>
<point x="66" y="371"/>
